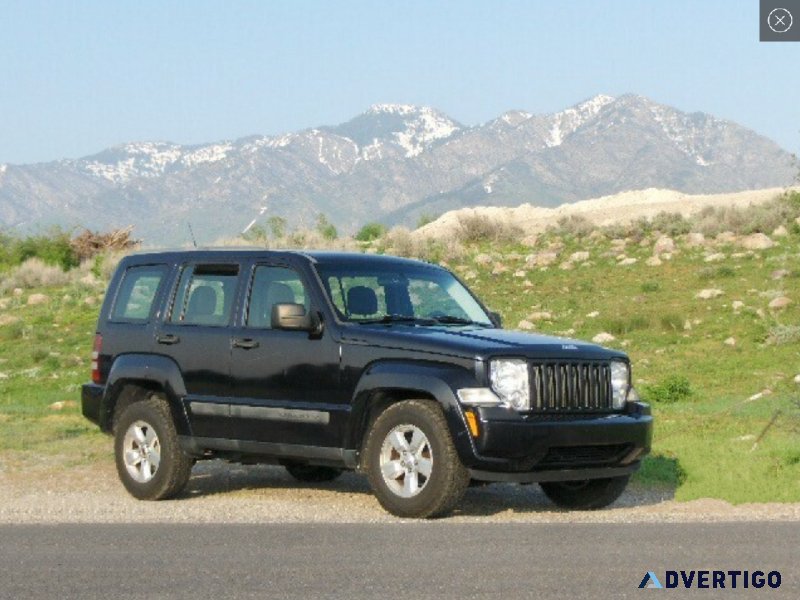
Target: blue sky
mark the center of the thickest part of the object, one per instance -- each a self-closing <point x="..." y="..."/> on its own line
<point x="77" y="77"/>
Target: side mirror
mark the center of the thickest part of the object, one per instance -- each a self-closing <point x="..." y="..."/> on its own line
<point x="292" y="317"/>
<point x="496" y="319"/>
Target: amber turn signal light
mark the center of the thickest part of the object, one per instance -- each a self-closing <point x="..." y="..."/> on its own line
<point x="472" y="423"/>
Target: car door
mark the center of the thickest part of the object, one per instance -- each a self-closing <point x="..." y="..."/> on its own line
<point x="196" y="335"/>
<point x="285" y="383"/>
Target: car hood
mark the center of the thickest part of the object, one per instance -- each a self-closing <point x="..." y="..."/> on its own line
<point x="475" y="342"/>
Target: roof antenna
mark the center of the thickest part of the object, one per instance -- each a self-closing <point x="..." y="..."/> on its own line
<point x="191" y="233"/>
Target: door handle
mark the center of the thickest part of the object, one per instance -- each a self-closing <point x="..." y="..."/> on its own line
<point x="246" y="344"/>
<point x="167" y="338"/>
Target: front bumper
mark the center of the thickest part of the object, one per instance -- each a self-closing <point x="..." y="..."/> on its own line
<point x="525" y="448"/>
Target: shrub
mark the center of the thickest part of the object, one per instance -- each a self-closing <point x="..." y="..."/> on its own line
<point x="370" y="231"/>
<point x="53" y="248"/>
<point x="34" y="273"/>
<point x="650" y="286"/>
<point x="473" y="229"/>
<point x="721" y="272"/>
<point x="671" y="224"/>
<point x="575" y="226"/>
<point x="671" y="322"/>
<point x="783" y="334"/>
<point x="674" y="388"/>
<point x="326" y="229"/>
<point x="624" y="326"/>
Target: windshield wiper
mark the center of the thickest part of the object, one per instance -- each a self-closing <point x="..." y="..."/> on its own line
<point x="397" y="319"/>
<point x="450" y="319"/>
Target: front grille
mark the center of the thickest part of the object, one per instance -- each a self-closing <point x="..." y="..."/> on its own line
<point x="585" y="455"/>
<point x="571" y="387"/>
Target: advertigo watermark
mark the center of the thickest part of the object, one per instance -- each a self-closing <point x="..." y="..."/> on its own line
<point x="704" y="580"/>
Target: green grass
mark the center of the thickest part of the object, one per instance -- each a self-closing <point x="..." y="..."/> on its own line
<point x="704" y="441"/>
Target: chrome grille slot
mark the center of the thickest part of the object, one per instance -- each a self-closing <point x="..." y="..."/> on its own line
<point x="570" y="386"/>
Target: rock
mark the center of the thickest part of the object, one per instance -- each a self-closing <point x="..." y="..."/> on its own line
<point x="627" y="261"/>
<point x="542" y="315"/>
<point x="756" y="241"/>
<point x="619" y="243"/>
<point x="62" y="404"/>
<point x="527" y="283"/>
<point x="8" y="319"/>
<point x="483" y="259"/>
<point x="89" y="301"/>
<point x="594" y="314"/>
<point x="566" y="266"/>
<point x="469" y="275"/>
<point x="603" y="338"/>
<point x="542" y="259"/>
<point x="34" y="299"/>
<point x="726" y="237"/>
<point x="5" y="376"/>
<point x="17" y="292"/>
<point x="780" y="231"/>
<point x="737" y="305"/>
<point x="525" y="324"/>
<point x="780" y="274"/>
<point x="695" y="239"/>
<point x="797" y="379"/>
<point x="709" y="293"/>
<point x="663" y="244"/>
<point x="755" y="397"/>
<point x="779" y="303"/>
<point x="667" y="256"/>
<point x="653" y="261"/>
<point x="730" y="342"/>
<point x="715" y="257"/>
<point x="88" y="279"/>
<point x="797" y="220"/>
<point x="579" y="256"/>
<point x="519" y="273"/>
<point x="687" y="325"/>
<point x="530" y="241"/>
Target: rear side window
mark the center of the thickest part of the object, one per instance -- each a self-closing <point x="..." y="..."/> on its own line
<point x="137" y="292"/>
<point x="205" y="295"/>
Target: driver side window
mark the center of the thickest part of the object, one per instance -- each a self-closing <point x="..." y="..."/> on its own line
<point x="271" y="286"/>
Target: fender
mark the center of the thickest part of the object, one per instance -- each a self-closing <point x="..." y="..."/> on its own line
<point x="150" y="370"/>
<point x="439" y="380"/>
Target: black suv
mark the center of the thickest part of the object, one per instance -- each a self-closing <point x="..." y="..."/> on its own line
<point x="324" y="361"/>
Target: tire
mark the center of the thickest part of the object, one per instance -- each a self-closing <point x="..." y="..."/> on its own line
<point x="411" y="463"/>
<point x="589" y="494"/>
<point x="313" y="474"/>
<point x="150" y="461"/>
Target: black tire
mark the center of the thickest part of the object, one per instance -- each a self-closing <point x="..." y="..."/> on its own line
<point x="437" y="493"/>
<point x="170" y="475"/>
<point x="312" y="473"/>
<point x="589" y="494"/>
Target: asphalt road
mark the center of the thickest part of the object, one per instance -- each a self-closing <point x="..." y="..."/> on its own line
<point x="403" y="560"/>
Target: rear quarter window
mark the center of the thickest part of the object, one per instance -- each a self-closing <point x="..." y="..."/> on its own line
<point x="137" y="292"/>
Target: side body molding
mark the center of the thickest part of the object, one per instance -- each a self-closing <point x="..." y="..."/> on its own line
<point x="149" y="371"/>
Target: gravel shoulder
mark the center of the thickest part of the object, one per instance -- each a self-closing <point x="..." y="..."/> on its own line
<point x="220" y="492"/>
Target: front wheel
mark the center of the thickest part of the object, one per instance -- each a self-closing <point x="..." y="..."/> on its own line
<point x="150" y="461"/>
<point x="411" y="462"/>
<point x="589" y="494"/>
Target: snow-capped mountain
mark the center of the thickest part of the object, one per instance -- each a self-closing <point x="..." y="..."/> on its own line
<point x="392" y="163"/>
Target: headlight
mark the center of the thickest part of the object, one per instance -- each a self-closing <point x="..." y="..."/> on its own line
<point x="620" y="378"/>
<point x="509" y="379"/>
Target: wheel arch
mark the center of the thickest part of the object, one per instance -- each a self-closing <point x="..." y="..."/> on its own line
<point x="135" y="377"/>
<point x="387" y="382"/>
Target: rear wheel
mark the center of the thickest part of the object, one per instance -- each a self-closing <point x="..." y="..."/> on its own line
<point x="589" y="494"/>
<point x="313" y="474"/>
<point x="411" y="462"/>
<point x="150" y="461"/>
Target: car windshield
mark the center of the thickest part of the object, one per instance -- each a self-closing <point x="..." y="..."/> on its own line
<point x="400" y="293"/>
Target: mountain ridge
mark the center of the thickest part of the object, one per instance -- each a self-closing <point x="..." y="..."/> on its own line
<point x="393" y="163"/>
